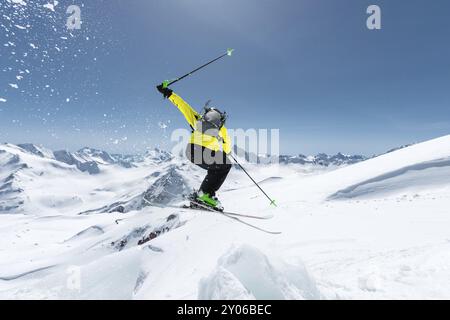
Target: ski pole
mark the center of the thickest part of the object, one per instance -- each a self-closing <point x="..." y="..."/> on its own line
<point x="167" y="83"/>
<point x="272" y="202"/>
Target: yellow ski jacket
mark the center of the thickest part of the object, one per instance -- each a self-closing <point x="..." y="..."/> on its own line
<point x="197" y="137"/>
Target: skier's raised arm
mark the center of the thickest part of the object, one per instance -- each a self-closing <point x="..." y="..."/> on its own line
<point x="189" y="113"/>
<point x="226" y="141"/>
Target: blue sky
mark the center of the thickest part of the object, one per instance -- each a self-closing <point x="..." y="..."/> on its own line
<point x="308" y="67"/>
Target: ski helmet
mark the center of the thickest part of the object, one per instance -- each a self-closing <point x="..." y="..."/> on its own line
<point x="214" y="116"/>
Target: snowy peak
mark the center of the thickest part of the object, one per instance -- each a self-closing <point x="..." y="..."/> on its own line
<point x="36" y="150"/>
<point x="158" y="155"/>
<point x="323" y="159"/>
<point x="22" y="166"/>
<point x="98" y="156"/>
<point x="10" y="191"/>
<point x="166" y="186"/>
<point x="90" y="160"/>
<point x="8" y="159"/>
<point x="72" y="159"/>
<point x="128" y="160"/>
<point x="11" y="195"/>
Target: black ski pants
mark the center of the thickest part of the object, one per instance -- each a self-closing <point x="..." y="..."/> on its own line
<point x="216" y="163"/>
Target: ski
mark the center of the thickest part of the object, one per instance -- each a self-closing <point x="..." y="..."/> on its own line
<point x="200" y="205"/>
<point x="229" y="213"/>
<point x="185" y="206"/>
<point x="231" y="216"/>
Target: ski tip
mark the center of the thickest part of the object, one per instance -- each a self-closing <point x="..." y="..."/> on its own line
<point x="230" y="52"/>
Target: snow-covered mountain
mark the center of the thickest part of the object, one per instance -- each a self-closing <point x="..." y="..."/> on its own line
<point x="89" y="159"/>
<point x="375" y="229"/>
<point x="10" y="193"/>
<point x="323" y="159"/>
<point x="168" y="173"/>
<point x="33" y="178"/>
<point x="24" y="171"/>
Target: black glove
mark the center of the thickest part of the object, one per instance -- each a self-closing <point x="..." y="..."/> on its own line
<point x="165" y="91"/>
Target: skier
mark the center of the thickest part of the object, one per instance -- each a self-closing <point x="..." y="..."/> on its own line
<point x="208" y="134"/>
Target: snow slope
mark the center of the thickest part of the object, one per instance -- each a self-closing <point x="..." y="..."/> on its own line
<point x="377" y="229"/>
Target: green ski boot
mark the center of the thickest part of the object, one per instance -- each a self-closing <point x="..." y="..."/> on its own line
<point x="206" y="199"/>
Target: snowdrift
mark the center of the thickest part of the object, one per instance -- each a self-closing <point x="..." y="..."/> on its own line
<point x="424" y="166"/>
<point x="421" y="176"/>
<point x="245" y="273"/>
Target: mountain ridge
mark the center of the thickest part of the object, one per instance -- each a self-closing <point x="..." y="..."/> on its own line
<point x="89" y="159"/>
